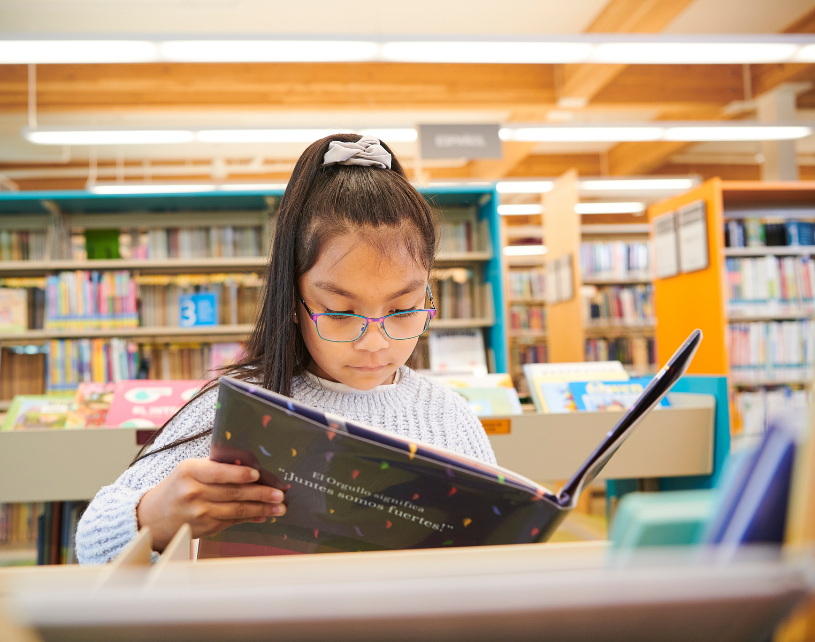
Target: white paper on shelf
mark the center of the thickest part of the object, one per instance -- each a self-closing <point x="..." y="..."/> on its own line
<point x="665" y="245"/>
<point x="692" y="224"/>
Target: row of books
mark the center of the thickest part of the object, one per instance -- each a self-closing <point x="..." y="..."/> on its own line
<point x="217" y="241"/>
<point x="527" y="284"/>
<point x="770" y="285"/>
<point x="624" y="305"/>
<point x="162" y="297"/>
<point x="457" y="293"/>
<point x="755" y="232"/>
<point x="23" y="245"/>
<point x="527" y="317"/>
<point x="636" y="352"/>
<point x="56" y="532"/>
<point x="463" y="233"/>
<point x="757" y="410"/>
<point x="18" y="523"/>
<point x="73" y="361"/>
<point x="88" y="299"/>
<point x="614" y="260"/>
<point x="774" y="351"/>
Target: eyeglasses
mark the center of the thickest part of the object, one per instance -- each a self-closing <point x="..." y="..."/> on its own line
<point x="343" y="327"/>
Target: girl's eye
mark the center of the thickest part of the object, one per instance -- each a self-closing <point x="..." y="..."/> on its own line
<point x="405" y="313"/>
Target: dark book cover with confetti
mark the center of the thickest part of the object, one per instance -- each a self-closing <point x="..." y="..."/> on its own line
<point x="354" y="488"/>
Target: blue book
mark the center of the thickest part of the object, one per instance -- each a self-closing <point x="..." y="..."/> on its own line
<point x="594" y="396"/>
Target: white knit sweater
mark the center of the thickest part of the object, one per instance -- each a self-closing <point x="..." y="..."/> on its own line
<point x="412" y="407"/>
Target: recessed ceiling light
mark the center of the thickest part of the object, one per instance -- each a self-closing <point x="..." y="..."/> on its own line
<point x="524" y="187"/>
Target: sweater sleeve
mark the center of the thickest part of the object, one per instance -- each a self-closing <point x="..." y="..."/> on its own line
<point x="110" y="522"/>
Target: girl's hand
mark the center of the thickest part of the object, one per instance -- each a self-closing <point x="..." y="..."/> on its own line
<point x="209" y="496"/>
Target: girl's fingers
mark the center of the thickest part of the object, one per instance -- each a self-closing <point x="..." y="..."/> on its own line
<point x="242" y="493"/>
<point x="207" y="471"/>
<point x="244" y="511"/>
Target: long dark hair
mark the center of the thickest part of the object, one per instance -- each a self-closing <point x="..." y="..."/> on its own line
<point x="320" y="203"/>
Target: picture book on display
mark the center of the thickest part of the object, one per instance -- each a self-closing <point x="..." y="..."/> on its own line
<point x="557" y="397"/>
<point x="141" y="403"/>
<point x="350" y="487"/>
<point x="488" y="395"/>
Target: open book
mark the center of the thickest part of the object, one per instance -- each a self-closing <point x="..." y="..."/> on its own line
<point x="350" y="487"/>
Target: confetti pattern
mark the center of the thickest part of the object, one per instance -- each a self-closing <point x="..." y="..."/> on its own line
<point x="358" y="532"/>
<point x="228" y="435"/>
<point x="330" y="434"/>
<point x="264" y="451"/>
<point x="452" y="491"/>
<point x="266" y="419"/>
<point x="467" y="521"/>
<point x="329" y="456"/>
<point x="354" y="474"/>
<point x="293" y="452"/>
<point x="413" y="448"/>
<point x="383" y="465"/>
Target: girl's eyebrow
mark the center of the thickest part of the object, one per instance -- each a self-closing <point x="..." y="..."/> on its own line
<point x="335" y="289"/>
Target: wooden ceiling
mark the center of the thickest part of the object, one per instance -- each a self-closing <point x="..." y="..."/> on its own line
<point x="527" y="93"/>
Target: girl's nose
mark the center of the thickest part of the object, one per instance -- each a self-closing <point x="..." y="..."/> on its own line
<point x="372" y="340"/>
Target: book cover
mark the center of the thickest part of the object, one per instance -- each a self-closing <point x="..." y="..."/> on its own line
<point x="538" y="374"/>
<point x="141" y="403"/>
<point x="488" y="395"/>
<point x="38" y="411"/>
<point x="597" y="396"/>
<point x="354" y="488"/>
<point x="556" y="398"/>
<point x="13" y="310"/>
<point x="91" y="401"/>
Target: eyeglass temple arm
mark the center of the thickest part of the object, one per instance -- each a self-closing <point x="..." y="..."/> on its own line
<point x="430" y="294"/>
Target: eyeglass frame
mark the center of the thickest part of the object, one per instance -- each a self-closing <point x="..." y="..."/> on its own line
<point x="368" y="320"/>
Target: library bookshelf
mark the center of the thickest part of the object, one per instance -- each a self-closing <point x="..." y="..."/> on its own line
<point x="723" y="303"/>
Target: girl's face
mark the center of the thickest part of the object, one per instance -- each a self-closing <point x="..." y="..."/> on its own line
<point x="353" y="276"/>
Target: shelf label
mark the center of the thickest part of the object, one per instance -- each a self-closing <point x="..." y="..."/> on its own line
<point x="692" y="223"/>
<point x="198" y="309"/>
<point x="665" y="245"/>
<point x="460" y="141"/>
<point x="496" y="426"/>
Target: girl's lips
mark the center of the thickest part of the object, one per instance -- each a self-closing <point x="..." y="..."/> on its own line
<point x="369" y="368"/>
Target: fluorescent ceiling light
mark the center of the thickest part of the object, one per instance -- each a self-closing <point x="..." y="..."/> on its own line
<point x="486" y="52"/>
<point x="525" y="250"/>
<point x="268" y="51"/>
<point x="151" y="188"/>
<point x="21" y="52"/>
<point x="393" y="134"/>
<point x="524" y="187"/>
<point x="587" y="48"/>
<point x="263" y="135"/>
<point x="107" y="137"/>
<point x="735" y="132"/>
<point x="687" y="53"/>
<point x="567" y="133"/>
<point x="248" y="187"/>
<point x="609" y="208"/>
<point x="658" y="184"/>
<point x="519" y="209"/>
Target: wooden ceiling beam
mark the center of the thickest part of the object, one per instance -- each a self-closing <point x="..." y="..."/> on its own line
<point x="527" y="91"/>
<point x="619" y="16"/>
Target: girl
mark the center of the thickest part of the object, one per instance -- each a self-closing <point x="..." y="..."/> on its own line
<point x="345" y="301"/>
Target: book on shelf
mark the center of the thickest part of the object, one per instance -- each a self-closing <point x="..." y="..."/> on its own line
<point x="781" y="351"/>
<point x="56" y="537"/>
<point x="594" y="396"/>
<point x="623" y="305"/>
<point x="31" y="412"/>
<point x="23" y="245"/>
<point x="216" y="241"/>
<point x="769" y="285"/>
<point x="18" y="523"/>
<point x="755" y="232"/>
<point x="461" y="231"/>
<point x="87" y="299"/>
<point x="457" y="351"/>
<point x="487" y="395"/>
<point x="91" y="403"/>
<point x="33" y="291"/>
<point x="756" y="410"/>
<point x="13" y="310"/>
<point x="638" y="353"/>
<point x="351" y="487"/>
<point x="527" y="318"/>
<point x="538" y="375"/>
<point x="458" y="293"/>
<point x="527" y="285"/>
<point x="148" y="404"/>
<point x="614" y="260"/>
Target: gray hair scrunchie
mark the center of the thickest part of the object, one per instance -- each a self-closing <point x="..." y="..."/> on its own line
<point x="366" y="151"/>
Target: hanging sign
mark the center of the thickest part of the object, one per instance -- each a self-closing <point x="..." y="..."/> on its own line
<point x="460" y="141"/>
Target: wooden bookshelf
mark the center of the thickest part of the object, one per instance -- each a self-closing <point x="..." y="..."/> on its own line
<point x="776" y="250"/>
<point x="174" y="332"/>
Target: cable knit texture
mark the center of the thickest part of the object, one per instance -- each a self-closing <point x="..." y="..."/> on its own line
<point x="415" y="407"/>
